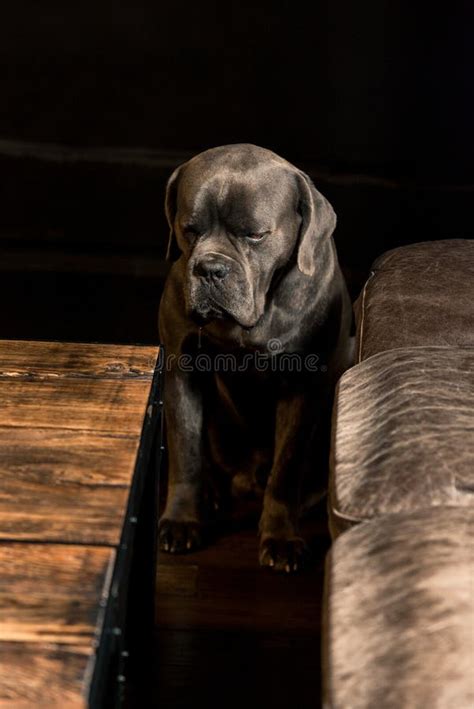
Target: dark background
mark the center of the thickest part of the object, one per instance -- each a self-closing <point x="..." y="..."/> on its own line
<point x="100" y="101"/>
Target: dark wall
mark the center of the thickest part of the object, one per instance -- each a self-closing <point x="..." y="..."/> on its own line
<point x="384" y="85"/>
<point x="99" y="101"/>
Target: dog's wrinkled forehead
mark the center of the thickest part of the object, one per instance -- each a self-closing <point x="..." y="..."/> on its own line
<point x="242" y="198"/>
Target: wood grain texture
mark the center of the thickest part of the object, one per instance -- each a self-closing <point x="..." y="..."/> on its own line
<point x="69" y="513"/>
<point x="69" y="435"/>
<point x="64" y="485"/>
<point x="43" y="675"/>
<point x="51" y="609"/>
<point x="111" y="406"/>
<point x="26" y="359"/>
<point x="58" y="456"/>
<point x="52" y="592"/>
<point x="71" y="419"/>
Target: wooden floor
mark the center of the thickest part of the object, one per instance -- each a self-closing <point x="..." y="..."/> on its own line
<point x="231" y="634"/>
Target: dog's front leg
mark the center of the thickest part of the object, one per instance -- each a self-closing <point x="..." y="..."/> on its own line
<point x="281" y="546"/>
<point x="181" y="525"/>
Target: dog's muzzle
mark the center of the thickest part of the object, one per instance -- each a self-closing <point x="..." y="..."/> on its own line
<point x="217" y="288"/>
<point x="210" y="276"/>
<point x="212" y="269"/>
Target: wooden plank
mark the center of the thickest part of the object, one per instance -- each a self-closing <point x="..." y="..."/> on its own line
<point x="53" y="592"/>
<point x="64" y="485"/>
<point x="105" y="405"/>
<point x="71" y="419"/>
<point x="27" y="360"/>
<point x="57" y="456"/>
<point x="51" y="609"/>
<point x="43" y="675"/>
<point x="69" y="513"/>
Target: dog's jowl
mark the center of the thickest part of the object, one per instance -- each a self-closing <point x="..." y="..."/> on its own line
<point x="255" y="319"/>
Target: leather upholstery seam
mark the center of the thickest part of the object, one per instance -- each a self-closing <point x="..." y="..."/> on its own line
<point x="348" y="518"/>
<point x="362" y="319"/>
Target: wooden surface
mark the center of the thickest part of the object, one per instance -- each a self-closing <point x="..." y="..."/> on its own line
<point x="71" y="417"/>
<point x="232" y="634"/>
<point x="40" y="674"/>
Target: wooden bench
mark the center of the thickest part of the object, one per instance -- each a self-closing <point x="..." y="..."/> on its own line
<point x="79" y="467"/>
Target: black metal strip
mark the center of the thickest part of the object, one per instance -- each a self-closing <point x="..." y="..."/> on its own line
<point x="108" y="679"/>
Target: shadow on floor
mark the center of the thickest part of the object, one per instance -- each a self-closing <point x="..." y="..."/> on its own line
<point x="230" y="633"/>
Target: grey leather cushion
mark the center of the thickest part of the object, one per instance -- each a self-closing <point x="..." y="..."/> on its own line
<point x="400" y="613"/>
<point x="402" y="434"/>
<point x="420" y="294"/>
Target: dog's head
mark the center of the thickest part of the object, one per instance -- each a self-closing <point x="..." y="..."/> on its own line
<point x="237" y="215"/>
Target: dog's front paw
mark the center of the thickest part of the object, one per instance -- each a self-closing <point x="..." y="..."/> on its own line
<point x="283" y="554"/>
<point x="179" y="537"/>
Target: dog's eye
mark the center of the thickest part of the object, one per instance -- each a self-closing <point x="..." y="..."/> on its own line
<point x="257" y="237"/>
<point x="190" y="231"/>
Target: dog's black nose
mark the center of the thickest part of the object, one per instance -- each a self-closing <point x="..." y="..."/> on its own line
<point x="211" y="267"/>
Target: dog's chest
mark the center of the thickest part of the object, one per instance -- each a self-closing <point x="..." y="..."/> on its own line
<point x="268" y="338"/>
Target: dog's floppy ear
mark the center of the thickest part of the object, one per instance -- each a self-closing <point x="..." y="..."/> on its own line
<point x="317" y="224"/>
<point x="173" y="251"/>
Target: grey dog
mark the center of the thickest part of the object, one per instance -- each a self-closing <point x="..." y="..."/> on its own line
<point x="255" y="276"/>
